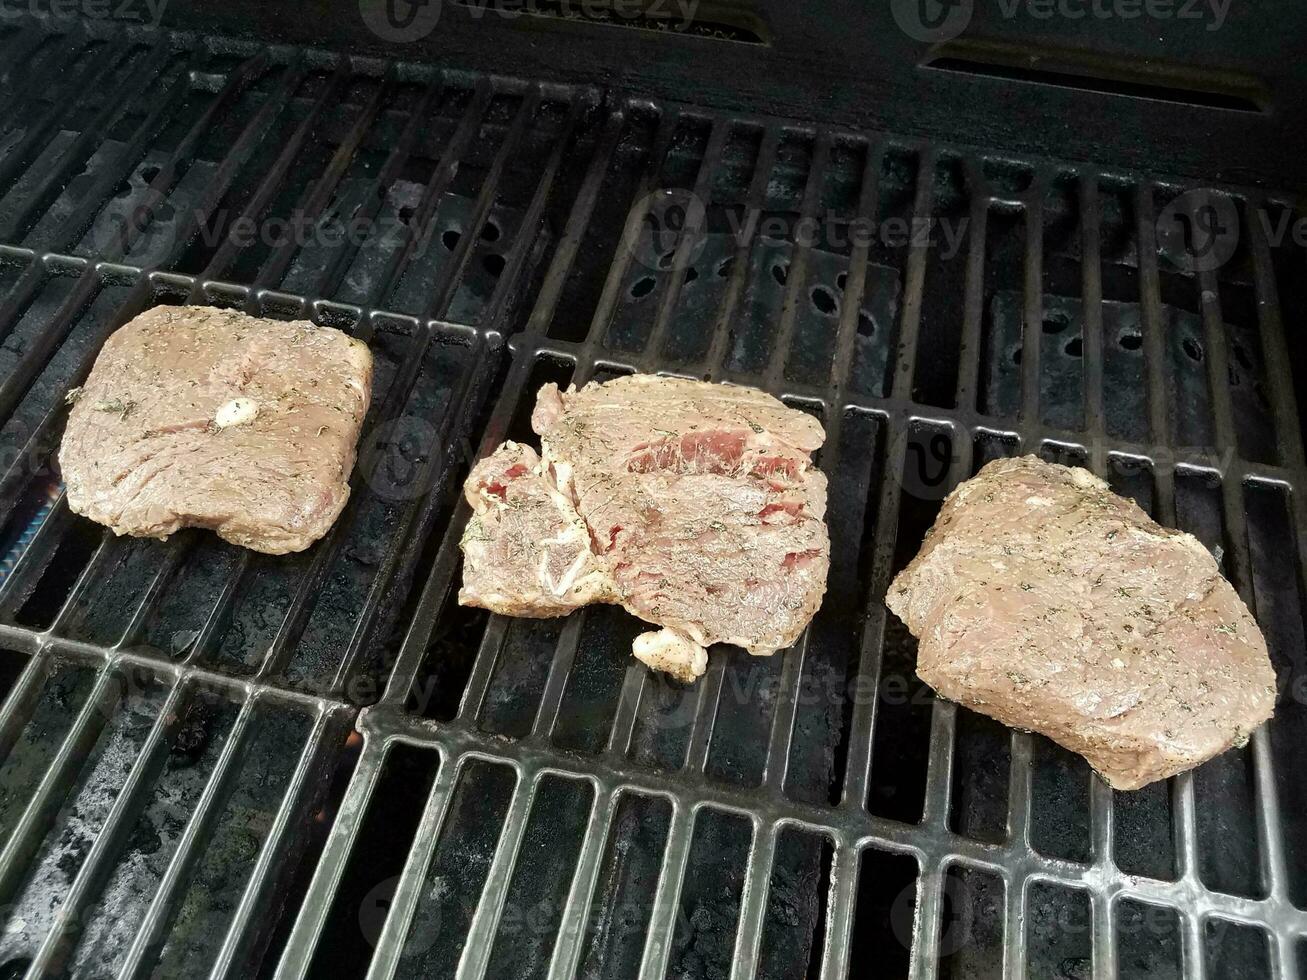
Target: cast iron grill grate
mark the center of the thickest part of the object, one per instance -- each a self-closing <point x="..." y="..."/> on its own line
<point x="217" y="762"/>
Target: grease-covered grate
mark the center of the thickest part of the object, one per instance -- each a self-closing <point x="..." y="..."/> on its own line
<point x="218" y="762"/>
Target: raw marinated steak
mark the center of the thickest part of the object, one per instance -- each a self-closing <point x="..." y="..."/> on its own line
<point x="697" y="504"/>
<point x="1046" y="601"/>
<point x="199" y="417"/>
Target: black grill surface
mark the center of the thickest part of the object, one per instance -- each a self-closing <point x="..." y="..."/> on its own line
<point x="216" y="762"/>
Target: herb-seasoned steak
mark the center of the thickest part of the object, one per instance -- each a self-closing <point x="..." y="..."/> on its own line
<point x="199" y="417"/>
<point x="697" y="505"/>
<point x="1046" y="601"/>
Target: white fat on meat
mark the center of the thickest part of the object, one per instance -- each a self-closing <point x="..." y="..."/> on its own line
<point x="671" y="652"/>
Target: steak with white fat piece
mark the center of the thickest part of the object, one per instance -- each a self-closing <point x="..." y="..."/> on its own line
<point x="700" y="508"/>
<point x="200" y="417"/>
<point x="1046" y="601"/>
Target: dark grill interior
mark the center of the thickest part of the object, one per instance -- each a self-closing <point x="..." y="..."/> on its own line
<point x="217" y="761"/>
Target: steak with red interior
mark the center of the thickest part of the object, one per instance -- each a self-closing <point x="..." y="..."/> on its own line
<point x="200" y="417"/>
<point x="1044" y="600"/>
<point x="699" y="505"/>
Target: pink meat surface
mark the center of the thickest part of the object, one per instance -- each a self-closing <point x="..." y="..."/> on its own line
<point x="697" y="504"/>
<point x="1046" y="601"/>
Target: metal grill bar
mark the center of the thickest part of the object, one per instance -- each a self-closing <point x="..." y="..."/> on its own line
<point x="437" y="585"/>
<point x="126" y="807"/>
<point x="973" y="306"/>
<point x="621" y="261"/>
<point x="862" y="725"/>
<point x="89" y="577"/>
<point x="20" y="847"/>
<point x="914" y="279"/>
<point x="325" y="552"/>
<point x="627" y="713"/>
<point x="76" y="223"/>
<point x="317" y="197"/>
<point x="486" y="196"/>
<point x="490" y="909"/>
<point x="20" y="702"/>
<point x="943" y="719"/>
<point x="1101" y="902"/>
<point x="686" y="238"/>
<point x="154" y="592"/>
<point x="1013" y="860"/>
<point x="509" y="281"/>
<point x="787" y="709"/>
<point x="753" y="904"/>
<point x="149" y="936"/>
<point x="798" y="275"/>
<point x="1091" y="304"/>
<point x="837" y="954"/>
<point x="417" y="514"/>
<point x="36" y="355"/>
<point x="1032" y="322"/>
<point x="571" y="931"/>
<point x="23" y="50"/>
<point x="63" y="102"/>
<point x="126" y="94"/>
<point x="577" y="222"/>
<point x="927" y="923"/>
<point x="657" y="947"/>
<point x="705" y="715"/>
<point x="42" y="546"/>
<point x="724" y="328"/>
<point x="1018" y="828"/>
<point x="277" y="173"/>
<point x="1150" y="311"/>
<point x="131" y="230"/>
<point x="405" y="900"/>
<point x="331" y="276"/>
<point x="303" y="941"/>
<point x="1275" y="353"/>
<point x="32" y="81"/>
<point x="235" y="947"/>
<point x="855" y="285"/>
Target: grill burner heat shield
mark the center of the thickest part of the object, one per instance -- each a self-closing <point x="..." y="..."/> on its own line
<point x="217" y="762"/>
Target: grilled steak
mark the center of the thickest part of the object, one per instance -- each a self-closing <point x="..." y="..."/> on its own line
<point x="1046" y="601"/>
<point x="526" y="550"/>
<point x="199" y="417"/>
<point x="697" y="504"/>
